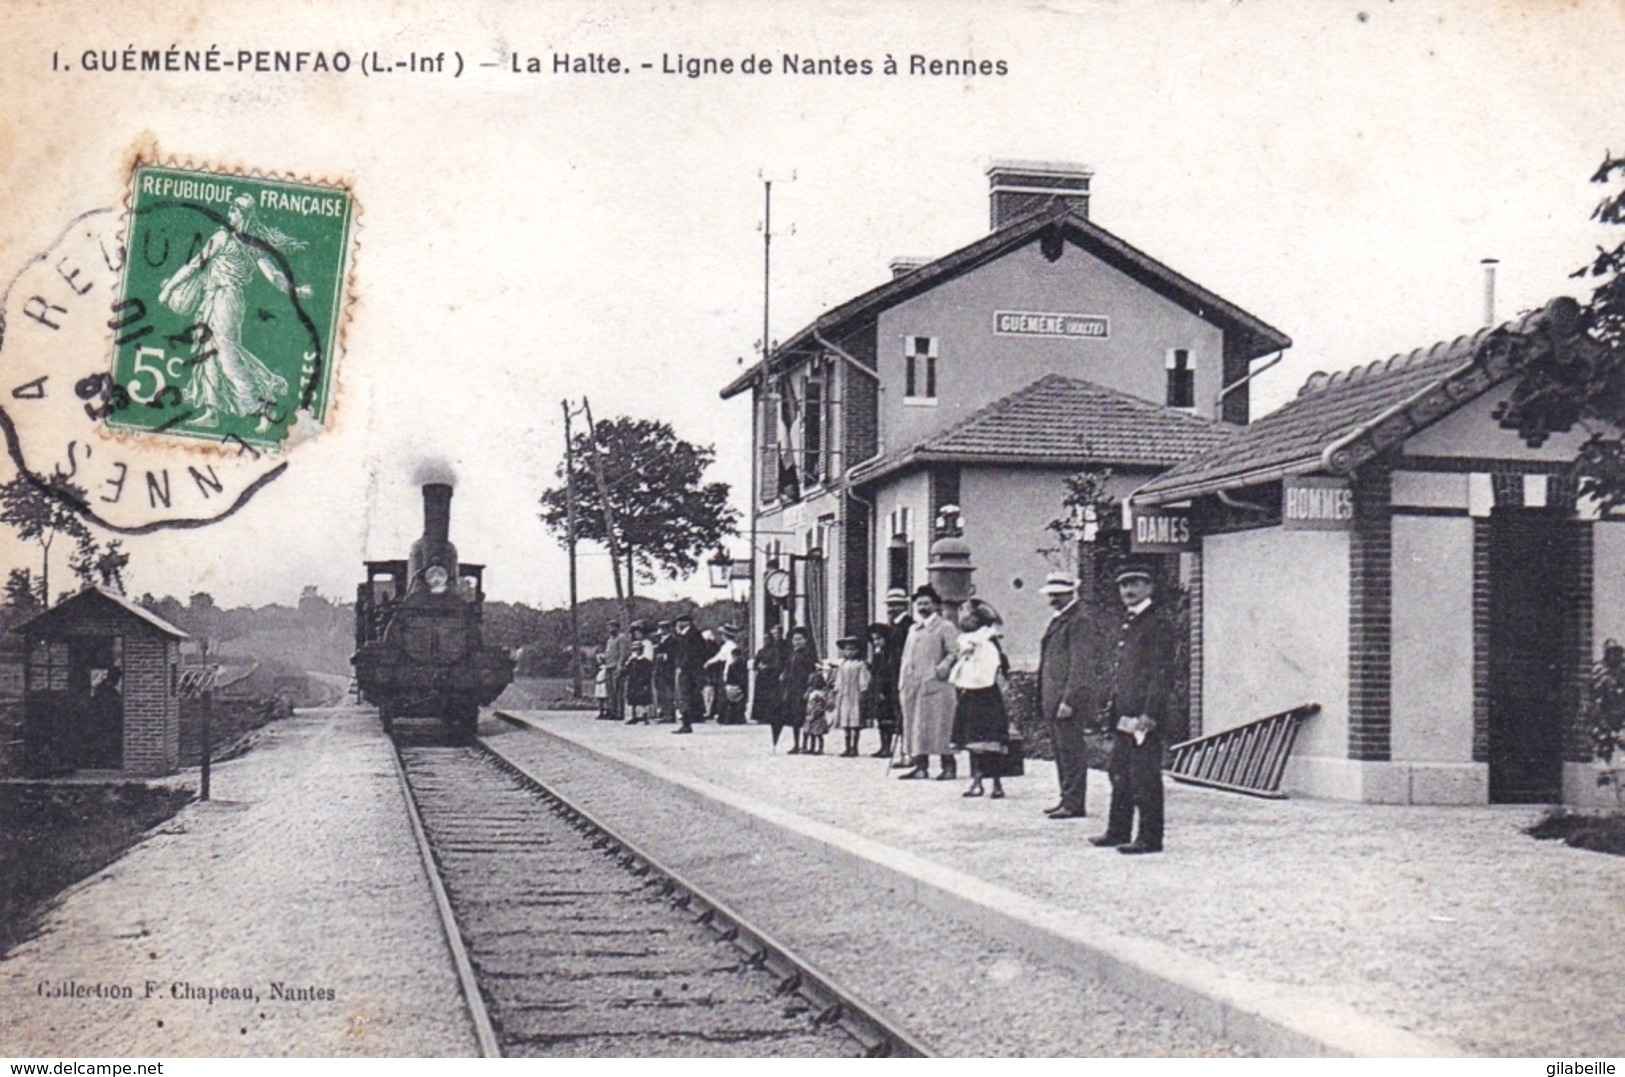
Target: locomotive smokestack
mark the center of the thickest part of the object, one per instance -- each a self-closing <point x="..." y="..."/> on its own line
<point x="437" y="512"/>
<point x="434" y="548"/>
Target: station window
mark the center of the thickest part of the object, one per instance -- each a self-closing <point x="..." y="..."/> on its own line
<point x="920" y="370"/>
<point x="900" y="551"/>
<point x="812" y="429"/>
<point x="1181" y="378"/>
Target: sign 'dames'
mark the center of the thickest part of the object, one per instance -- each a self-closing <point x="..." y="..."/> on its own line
<point x="1161" y="531"/>
<point x="1316" y="504"/>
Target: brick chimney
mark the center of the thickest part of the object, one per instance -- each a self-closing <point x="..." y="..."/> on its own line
<point x="1016" y="188"/>
<point x="904" y="264"/>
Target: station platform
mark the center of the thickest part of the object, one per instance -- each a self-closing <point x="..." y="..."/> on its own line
<point x="288" y="915"/>
<point x="1296" y="927"/>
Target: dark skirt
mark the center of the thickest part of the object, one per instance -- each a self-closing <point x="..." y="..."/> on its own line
<point x="639" y="687"/>
<point x="980" y="721"/>
<point x="765" y="704"/>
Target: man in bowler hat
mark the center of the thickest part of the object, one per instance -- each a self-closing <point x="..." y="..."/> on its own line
<point x="1062" y="660"/>
<point x="1137" y="709"/>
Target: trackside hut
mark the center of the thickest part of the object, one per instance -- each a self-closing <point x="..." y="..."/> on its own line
<point x="1383" y="547"/>
<point x="982" y="379"/>
<point x="100" y="688"/>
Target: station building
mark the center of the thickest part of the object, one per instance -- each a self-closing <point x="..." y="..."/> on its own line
<point x="981" y="379"/>
<point x="1383" y="547"/>
<point x="101" y="687"/>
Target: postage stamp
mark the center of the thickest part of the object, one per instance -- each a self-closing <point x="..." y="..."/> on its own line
<point x="230" y="306"/>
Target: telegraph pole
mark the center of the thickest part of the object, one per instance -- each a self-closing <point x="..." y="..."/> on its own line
<point x="570" y="539"/>
<point x="609" y="518"/>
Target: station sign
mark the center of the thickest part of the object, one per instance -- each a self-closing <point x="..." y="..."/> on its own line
<point x="1161" y="531"/>
<point x="1314" y="503"/>
<point x="1035" y="323"/>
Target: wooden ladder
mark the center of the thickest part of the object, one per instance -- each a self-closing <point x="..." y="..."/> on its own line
<point x="1247" y="759"/>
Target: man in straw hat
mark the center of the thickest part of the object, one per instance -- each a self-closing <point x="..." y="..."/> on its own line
<point x="1062" y="666"/>
<point x="1137" y="707"/>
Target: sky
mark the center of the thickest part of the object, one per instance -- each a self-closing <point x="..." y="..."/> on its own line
<point x="1337" y="169"/>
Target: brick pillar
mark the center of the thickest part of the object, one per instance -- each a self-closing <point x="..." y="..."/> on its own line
<point x="1577" y="746"/>
<point x="1481" y="640"/>
<point x="1371" y="617"/>
<point x="1196" y="645"/>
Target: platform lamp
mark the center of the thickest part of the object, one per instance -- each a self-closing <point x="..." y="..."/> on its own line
<point x="950" y="568"/>
<point x="721" y="568"/>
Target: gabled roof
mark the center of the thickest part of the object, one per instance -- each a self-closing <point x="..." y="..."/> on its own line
<point x="1063" y="421"/>
<point x="1258" y="338"/>
<point x="55" y="618"/>
<point x="1341" y="420"/>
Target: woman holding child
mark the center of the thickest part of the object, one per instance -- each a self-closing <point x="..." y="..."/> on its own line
<point x="981" y="724"/>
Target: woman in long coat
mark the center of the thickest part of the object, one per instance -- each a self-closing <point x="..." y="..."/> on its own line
<point x="922" y="683"/>
<point x="768" y="699"/>
<point x="799" y="666"/>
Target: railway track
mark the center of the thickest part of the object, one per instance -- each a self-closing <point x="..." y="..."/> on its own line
<point x="570" y="941"/>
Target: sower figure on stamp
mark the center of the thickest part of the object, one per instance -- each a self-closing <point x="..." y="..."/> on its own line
<point x="228" y="379"/>
<point x="922" y="683"/>
<point x="1061" y="692"/>
<point x="1137" y="707"/>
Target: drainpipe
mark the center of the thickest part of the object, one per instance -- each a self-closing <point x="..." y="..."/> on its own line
<point x="1218" y="401"/>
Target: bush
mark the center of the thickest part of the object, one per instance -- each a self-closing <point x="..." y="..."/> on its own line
<point x="54" y="835"/>
<point x="1597" y="833"/>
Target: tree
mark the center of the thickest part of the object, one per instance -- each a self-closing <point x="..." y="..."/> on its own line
<point x="21" y="599"/>
<point x="42" y="513"/>
<point x="666" y="516"/>
<point x="1572" y="365"/>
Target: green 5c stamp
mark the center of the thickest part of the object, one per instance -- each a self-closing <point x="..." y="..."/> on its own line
<point x="229" y="316"/>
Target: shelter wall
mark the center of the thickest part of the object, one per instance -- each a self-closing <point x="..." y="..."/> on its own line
<point x="1432" y="701"/>
<point x="1275" y="611"/>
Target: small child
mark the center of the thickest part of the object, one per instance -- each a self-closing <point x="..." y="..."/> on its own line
<point x="849" y="680"/>
<point x="817" y="716"/>
<point x="600" y="685"/>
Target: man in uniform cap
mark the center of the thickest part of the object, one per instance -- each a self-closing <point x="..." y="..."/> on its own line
<point x="1137" y="708"/>
<point x="1062" y="689"/>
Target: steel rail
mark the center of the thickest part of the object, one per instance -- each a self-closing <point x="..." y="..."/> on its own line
<point x="466" y="981"/>
<point x="879" y="1035"/>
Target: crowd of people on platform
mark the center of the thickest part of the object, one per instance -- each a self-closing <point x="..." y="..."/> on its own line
<point x="672" y="673"/>
<point x="930" y="687"/>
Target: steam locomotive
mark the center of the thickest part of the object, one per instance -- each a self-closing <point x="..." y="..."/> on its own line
<point x="417" y="630"/>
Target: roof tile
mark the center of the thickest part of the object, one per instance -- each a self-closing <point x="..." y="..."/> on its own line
<point x="1057" y="419"/>
<point x="1327" y="408"/>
